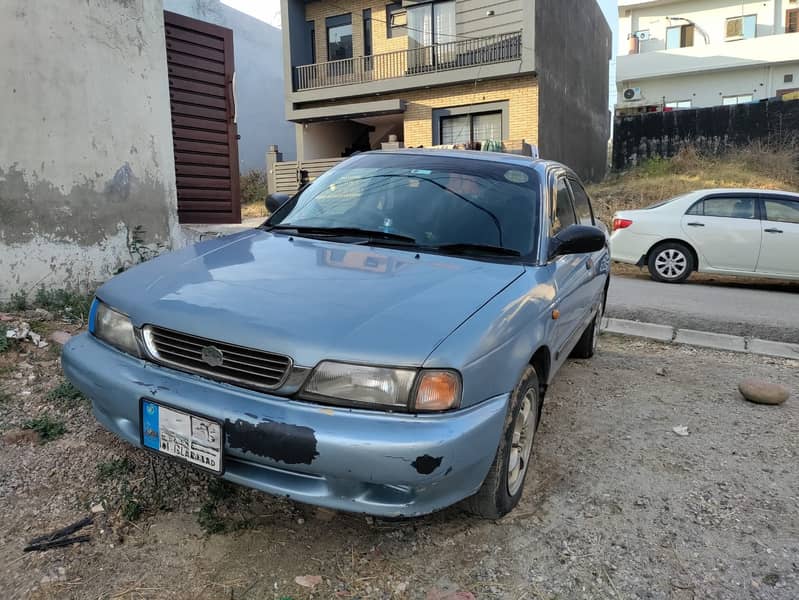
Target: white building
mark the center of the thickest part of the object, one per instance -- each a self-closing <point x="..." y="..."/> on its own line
<point x="698" y="53"/>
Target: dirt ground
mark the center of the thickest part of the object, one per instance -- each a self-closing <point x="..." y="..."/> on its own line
<point x="617" y="505"/>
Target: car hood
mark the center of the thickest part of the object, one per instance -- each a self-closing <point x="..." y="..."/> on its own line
<point x="309" y="299"/>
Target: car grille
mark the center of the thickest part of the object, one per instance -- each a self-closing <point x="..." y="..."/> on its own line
<point x="235" y="364"/>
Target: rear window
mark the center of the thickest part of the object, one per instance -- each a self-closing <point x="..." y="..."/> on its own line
<point x="665" y="202"/>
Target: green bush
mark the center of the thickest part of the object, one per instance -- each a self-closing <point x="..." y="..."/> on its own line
<point x="48" y="428"/>
<point x="253" y="187"/>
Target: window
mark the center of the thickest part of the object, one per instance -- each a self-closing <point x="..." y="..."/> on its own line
<point x="339" y="37"/>
<point x="582" y="206"/>
<point x="428" y="25"/>
<point x="311" y="28"/>
<point x="740" y="99"/>
<point x="396" y="20"/>
<point x="679" y="37"/>
<point x="742" y="28"/>
<point x="677" y="104"/>
<point x="562" y="212"/>
<point x="734" y="208"/>
<point x="792" y="21"/>
<point x="788" y="78"/>
<point x="462" y="129"/>
<point x="782" y="210"/>
<point x="367" y="32"/>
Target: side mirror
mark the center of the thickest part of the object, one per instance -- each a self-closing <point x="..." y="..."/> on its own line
<point x="577" y="239"/>
<point x="275" y="201"/>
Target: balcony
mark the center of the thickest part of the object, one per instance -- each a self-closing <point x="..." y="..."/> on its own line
<point x="474" y="52"/>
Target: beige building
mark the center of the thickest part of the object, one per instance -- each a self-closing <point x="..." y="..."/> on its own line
<point x="676" y="54"/>
<point x="363" y="73"/>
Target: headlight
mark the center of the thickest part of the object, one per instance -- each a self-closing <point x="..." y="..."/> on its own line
<point x="383" y="387"/>
<point x="113" y="328"/>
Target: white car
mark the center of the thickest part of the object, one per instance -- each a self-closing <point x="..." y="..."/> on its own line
<point x="724" y="231"/>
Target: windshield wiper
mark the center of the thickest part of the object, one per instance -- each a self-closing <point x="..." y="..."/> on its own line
<point x="466" y="248"/>
<point x="345" y="231"/>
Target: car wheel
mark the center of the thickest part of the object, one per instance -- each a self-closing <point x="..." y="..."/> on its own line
<point x="504" y="483"/>
<point x="671" y="262"/>
<point x="589" y="341"/>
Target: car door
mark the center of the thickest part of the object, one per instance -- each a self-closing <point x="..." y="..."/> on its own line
<point x="725" y="230"/>
<point x="570" y="273"/>
<point x="780" y="247"/>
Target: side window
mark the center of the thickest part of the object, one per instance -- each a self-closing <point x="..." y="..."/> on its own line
<point x="562" y="211"/>
<point x="582" y="205"/>
<point x="731" y="208"/>
<point x="782" y="210"/>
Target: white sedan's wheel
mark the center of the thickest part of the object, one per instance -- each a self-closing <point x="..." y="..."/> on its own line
<point x="671" y="262"/>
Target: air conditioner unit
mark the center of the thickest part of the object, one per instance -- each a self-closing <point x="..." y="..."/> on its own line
<point x="642" y="35"/>
<point x="632" y="94"/>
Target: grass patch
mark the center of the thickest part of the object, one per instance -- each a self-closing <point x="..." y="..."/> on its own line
<point x="219" y="491"/>
<point x="66" y="393"/>
<point x="49" y="428"/>
<point x="63" y="302"/>
<point x="117" y="468"/>
<point x="5" y="343"/>
<point x="131" y="507"/>
<point x="758" y="166"/>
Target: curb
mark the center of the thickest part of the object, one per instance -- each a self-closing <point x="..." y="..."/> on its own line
<point x="705" y="339"/>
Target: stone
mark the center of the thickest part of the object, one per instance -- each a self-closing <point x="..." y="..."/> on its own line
<point x="97" y="508"/>
<point x="59" y="337"/>
<point x="763" y="392"/>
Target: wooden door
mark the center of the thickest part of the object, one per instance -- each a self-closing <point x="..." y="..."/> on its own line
<point x="204" y="131"/>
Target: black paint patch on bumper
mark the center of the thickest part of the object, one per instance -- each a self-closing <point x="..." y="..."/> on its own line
<point x="426" y="464"/>
<point x="291" y="444"/>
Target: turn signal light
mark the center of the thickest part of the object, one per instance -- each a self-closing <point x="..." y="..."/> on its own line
<point x="438" y="390"/>
<point x="621" y="224"/>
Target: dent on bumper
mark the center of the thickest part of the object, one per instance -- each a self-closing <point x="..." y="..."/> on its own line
<point x="345" y="459"/>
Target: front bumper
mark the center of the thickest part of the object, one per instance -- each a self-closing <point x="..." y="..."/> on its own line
<point x="353" y="460"/>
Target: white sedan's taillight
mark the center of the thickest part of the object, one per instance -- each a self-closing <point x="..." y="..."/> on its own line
<point x="621" y="224"/>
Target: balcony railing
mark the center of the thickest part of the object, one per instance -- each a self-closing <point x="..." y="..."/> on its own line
<point x="503" y="47"/>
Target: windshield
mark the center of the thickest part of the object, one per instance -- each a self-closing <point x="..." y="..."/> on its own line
<point x="429" y="201"/>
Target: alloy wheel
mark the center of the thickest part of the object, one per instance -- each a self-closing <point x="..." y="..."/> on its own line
<point x="671" y="263"/>
<point x="522" y="442"/>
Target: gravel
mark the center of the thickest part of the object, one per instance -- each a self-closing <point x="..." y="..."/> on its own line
<point x="616" y="505"/>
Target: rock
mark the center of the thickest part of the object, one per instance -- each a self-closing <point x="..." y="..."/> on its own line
<point x="97" y="508"/>
<point x="59" y="337"/>
<point x="661" y="372"/>
<point x="680" y="430"/>
<point x="21" y="436"/>
<point x="763" y="392"/>
<point x="309" y="581"/>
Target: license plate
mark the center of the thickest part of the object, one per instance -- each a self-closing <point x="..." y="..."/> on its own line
<point x="196" y="440"/>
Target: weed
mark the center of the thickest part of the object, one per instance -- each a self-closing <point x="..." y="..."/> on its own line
<point x="116" y="468"/>
<point x="48" y="428"/>
<point x="209" y="519"/>
<point x="131" y="507"/>
<point x="17" y="302"/>
<point x="65" y="393"/>
<point x="5" y="343"/>
<point x="64" y="302"/>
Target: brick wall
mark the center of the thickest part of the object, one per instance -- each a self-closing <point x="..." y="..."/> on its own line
<point x="521" y="92"/>
<point x="319" y="11"/>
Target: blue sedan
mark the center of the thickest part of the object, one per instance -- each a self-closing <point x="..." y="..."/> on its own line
<point x="382" y="344"/>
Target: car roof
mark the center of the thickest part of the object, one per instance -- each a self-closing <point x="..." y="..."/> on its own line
<point x="713" y="191"/>
<point x="496" y="157"/>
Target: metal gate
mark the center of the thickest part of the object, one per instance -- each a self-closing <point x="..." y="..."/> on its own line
<point x="204" y="132"/>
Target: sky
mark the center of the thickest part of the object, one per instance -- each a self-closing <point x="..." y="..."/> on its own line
<point x="269" y="11"/>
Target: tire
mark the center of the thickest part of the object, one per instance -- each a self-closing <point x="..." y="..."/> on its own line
<point x="671" y="262"/>
<point x="586" y="347"/>
<point x="500" y="492"/>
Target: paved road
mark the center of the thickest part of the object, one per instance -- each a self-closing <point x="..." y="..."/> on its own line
<point x="755" y="311"/>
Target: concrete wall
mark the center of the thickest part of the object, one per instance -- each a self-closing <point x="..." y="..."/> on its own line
<point x="709" y="89"/>
<point x="573" y="51"/>
<point x="259" y="79"/>
<point x="710" y="17"/>
<point x="86" y="166"/>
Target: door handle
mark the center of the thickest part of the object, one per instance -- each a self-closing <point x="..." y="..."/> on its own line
<point x="773" y="230"/>
<point x="696" y="224"/>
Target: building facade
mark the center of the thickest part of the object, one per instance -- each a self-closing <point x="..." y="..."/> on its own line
<point x="421" y="73"/>
<point x="677" y="54"/>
